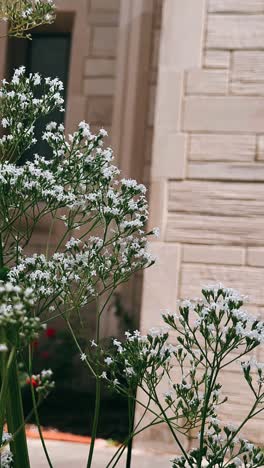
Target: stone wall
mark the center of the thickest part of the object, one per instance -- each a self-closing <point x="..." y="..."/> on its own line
<point x="207" y="171"/>
<point x="100" y="64"/>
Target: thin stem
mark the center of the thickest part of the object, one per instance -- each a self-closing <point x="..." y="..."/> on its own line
<point x="95" y="421"/>
<point x="36" y="410"/>
<point x="4" y="388"/>
<point x="97" y="391"/>
<point x="131" y="413"/>
<point x="177" y="440"/>
<point x="15" y="419"/>
<point x="79" y="348"/>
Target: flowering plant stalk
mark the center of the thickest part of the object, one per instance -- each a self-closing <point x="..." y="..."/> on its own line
<point x="78" y="190"/>
<point x="211" y="334"/>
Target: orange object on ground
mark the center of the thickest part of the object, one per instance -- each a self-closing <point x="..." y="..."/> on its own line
<point x="53" y="434"/>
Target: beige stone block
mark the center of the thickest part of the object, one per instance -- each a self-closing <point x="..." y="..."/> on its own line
<point x="207" y="82"/>
<point x="248" y="89"/>
<point x="209" y="147"/>
<point x="151" y="105"/>
<point x="76" y="106"/>
<point x="160" y="284"/>
<point x="223" y="114"/>
<point x="173" y="148"/>
<point x="247" y="280"/>
<point x="169" y="100"/>
<point x="260" y="147"/>
<point x="100" y="67"/>
<point x="148" y="145"/>
<point x="236" y="6"/>
<point x="104" y="41"/>
<point x="158" y="205"/>
<point x="248" y="65"/>
<point x="225" y="199"/>
<point x="217" y="59"/>
<point x="213" y="254"/>
<point x="235" y="31"/>
<point x="99" y="86"/>
<point x="99" y="110"/>
<point x="255" y="257"/>
<point x="105" y="5"/>
<point x="226" y="171"/>
<point x="220" y="230"/>
<point x="178" y="17"/>
<point x="155" y="49"/>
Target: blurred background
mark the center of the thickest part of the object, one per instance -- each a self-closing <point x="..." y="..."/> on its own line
<point x="179" y="86"/>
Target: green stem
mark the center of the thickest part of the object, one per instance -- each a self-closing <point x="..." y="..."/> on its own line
<point x="15" y="419"/>
<point x="131" y="413"/>
<point x="97" y="391"/>
<point x="35" y="408"/>
<point x="95" y="421"/>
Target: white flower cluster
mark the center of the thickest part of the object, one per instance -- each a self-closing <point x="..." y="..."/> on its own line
<point x="84" y="270"/>
<point x="15" y="312"/>
<point x="138" y="358"/>
<point x="6" y="456"/>
<point x="42" y="382"/>
<point x="80" y="176"/>
<point x="20" y="107"/>
<point x="220" y="315"/>
<point x="6" y="459"/>
<point x="26" y="14"/>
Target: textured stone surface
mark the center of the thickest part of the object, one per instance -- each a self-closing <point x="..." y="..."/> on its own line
<point x="99" y="86"/>
<point x="236" y="6"/>
<point x="207" y="82"/>
<point x="104" y="41"/>
<point x="99" y="109"/>
<point x="248" y="65"/>
<point x="162" y="276"/>
<point x="223" y="114"/>
<point x="178" y="17"/>
<point x="172" y="165"/>
<point x="216" y="59"/>
<point x="235" y="31"/>
<point x="255" y="257"/>
<point x="221" y="230"/>
<point x="226" y="171"/>
<point x="247" y="89"/>
<point x="213" y="255"/>
<point x="216" y="198"/>
<point x="247" y="280"/>
<point x="100" y="67"/>
<point x="105" y="4"/>
<point x="260" y="147"/>
<point x="210" y="147"/>
<point x="169" y="100"/>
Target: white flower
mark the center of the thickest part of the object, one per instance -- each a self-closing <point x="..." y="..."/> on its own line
<point x="108" y="360"/>
<point x="83" y="356"/>
<point x="156" y="232"/>
<point x="3" y="348"/>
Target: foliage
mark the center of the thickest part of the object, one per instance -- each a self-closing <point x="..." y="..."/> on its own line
<point x="23" y="15"/>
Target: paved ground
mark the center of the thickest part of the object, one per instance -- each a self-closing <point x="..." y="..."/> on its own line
<point x="72" y="455"/>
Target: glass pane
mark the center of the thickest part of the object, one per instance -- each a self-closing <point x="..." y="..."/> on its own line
<point x="48" y="54"/>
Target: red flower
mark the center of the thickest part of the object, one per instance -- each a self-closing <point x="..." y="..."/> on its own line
<point x="35" y="344"/>
<point x="45" y="354"/>
<point x="50" y="332"/>
<point x="32" y="381"/>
